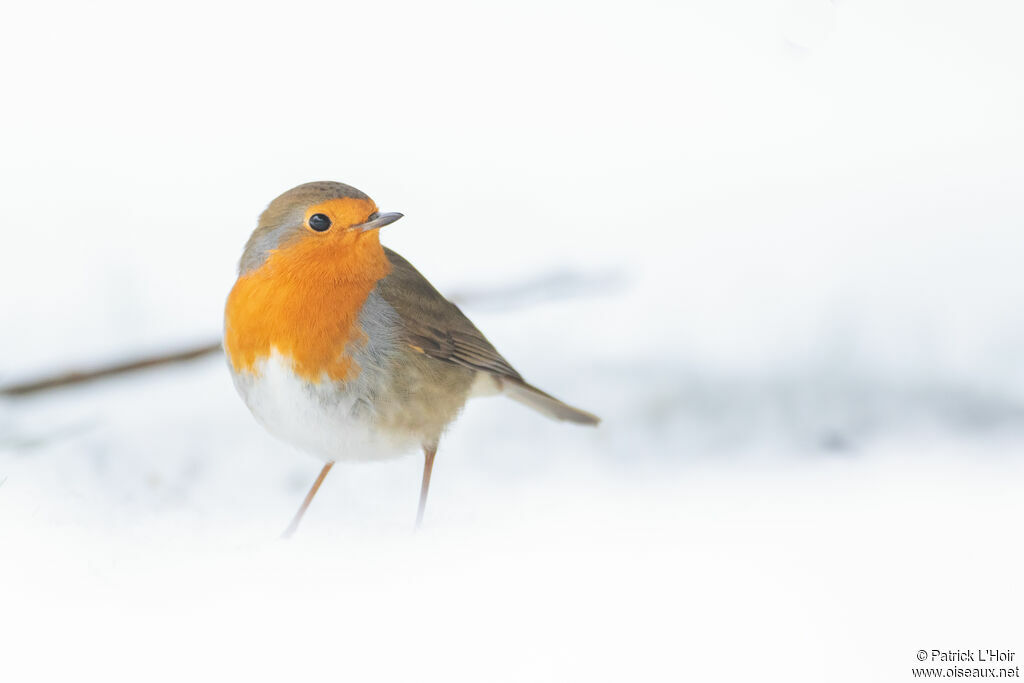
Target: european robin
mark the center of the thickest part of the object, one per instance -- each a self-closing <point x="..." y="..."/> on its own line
<point x="340" y="347"/>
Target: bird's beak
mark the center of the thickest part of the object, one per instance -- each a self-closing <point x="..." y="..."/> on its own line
<point x="377" y="220"/>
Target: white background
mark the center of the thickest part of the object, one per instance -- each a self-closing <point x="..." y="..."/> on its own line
<point x="799" y="232"/>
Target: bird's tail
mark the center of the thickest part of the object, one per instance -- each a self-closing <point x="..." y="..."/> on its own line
<point x="547" y="404"/>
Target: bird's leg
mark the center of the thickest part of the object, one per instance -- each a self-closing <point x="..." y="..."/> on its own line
<point x="429" y="451"/>
<point x="305" y="504"/>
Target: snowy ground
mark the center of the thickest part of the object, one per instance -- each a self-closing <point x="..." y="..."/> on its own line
<point x="807" y="343"/>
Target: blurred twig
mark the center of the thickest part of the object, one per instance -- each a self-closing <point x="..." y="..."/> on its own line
<point x="79" y="376"/>
<point x="556" y="285"/>
<point x="552" y="286"/>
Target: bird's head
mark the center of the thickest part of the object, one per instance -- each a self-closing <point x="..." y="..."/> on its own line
<point x="317" y="223"/>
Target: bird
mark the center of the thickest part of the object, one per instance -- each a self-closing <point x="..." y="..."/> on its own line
<point x="341" y="348"/>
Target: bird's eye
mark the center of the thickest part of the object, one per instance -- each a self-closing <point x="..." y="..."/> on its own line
<point x="319" y="222"/>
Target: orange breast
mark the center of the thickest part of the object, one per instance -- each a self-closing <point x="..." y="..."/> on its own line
<point x="304" y="302"/>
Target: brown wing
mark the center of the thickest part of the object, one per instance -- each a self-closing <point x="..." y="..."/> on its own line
<point x="435" y="326"/>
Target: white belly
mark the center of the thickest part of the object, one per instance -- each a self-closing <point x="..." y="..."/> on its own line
<point x="324" y="420"/>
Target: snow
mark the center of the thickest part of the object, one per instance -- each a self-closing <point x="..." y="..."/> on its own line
<point x="803" y="226"/>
